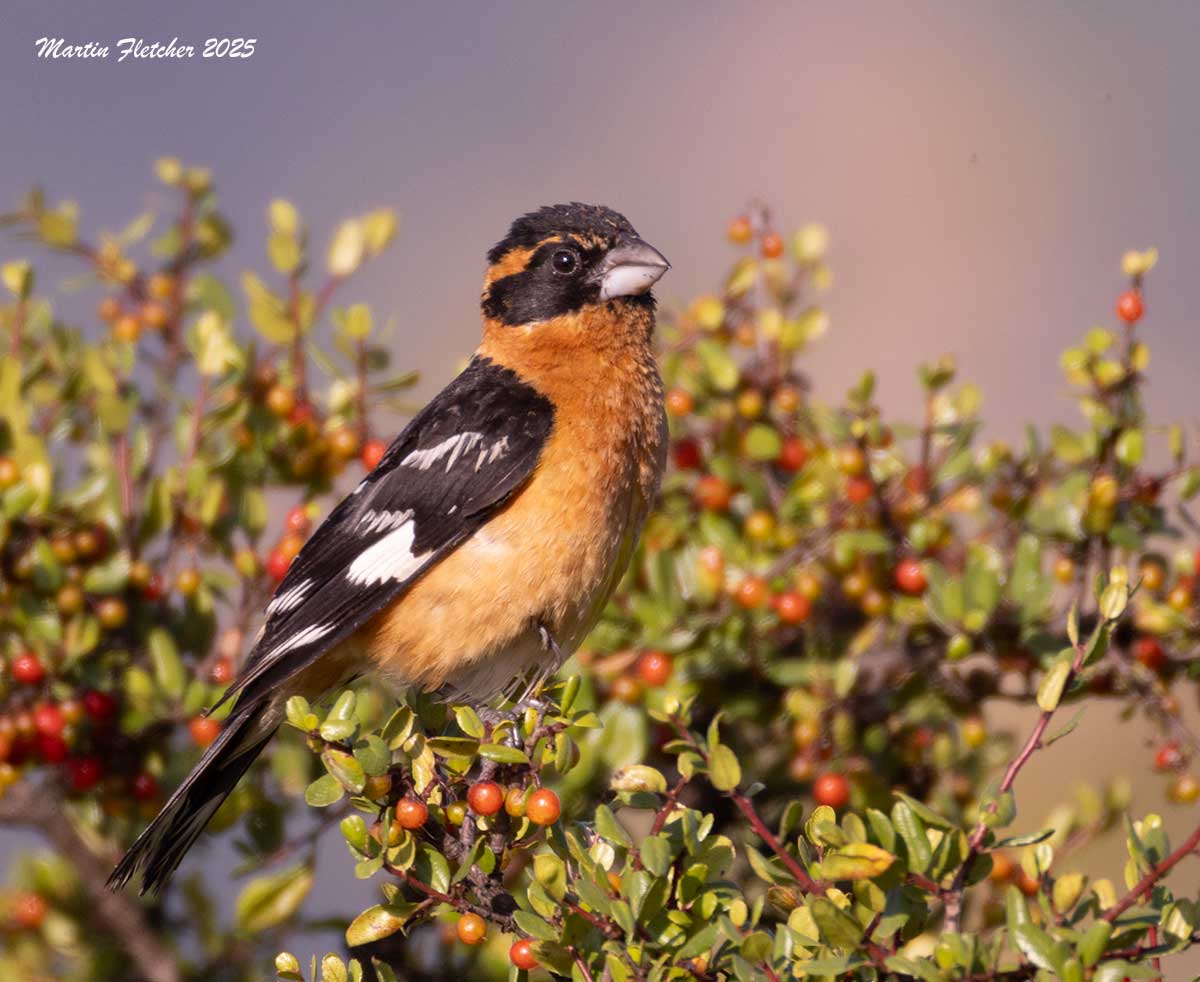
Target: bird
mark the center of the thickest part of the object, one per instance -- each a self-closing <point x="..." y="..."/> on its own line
<point x="480" y="551"/>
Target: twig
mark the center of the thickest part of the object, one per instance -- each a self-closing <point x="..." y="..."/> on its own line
<point x="40" y="808"/>
<point x="1156" y="873"/>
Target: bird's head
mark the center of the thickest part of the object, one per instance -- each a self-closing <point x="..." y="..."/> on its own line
<point x="566" y="260"/>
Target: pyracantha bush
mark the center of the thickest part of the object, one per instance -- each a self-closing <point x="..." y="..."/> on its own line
<point x="770" y="761"/>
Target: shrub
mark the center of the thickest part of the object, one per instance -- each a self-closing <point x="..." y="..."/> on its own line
<point x="771" y="761"/>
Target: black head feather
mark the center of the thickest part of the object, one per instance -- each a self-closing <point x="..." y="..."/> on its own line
<point x="570" y="219"/>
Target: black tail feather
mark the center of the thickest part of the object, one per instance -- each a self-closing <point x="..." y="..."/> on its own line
<point x="162" y="846"/>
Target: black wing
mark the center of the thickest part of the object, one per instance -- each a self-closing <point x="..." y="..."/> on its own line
<point x="460" y="459"/>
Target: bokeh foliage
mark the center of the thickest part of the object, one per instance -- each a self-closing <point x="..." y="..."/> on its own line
<point x="771" y="759"/>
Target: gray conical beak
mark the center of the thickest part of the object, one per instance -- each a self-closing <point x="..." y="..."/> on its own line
<point x="631" y="267"/>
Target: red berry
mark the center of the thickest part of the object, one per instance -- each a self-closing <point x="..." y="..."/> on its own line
<point x="910" y="577"/>
<point x="521" y="955"/>
<point x="28" y="669"/>
<point x="485" y="797"/>
<point x="100" y="706"/>
<point x="1150" y="653"/>
<point x="1130" y="307"/>
<point x="301" y="413"/>
<point x="858" y="490"/>
<point x="145" y="787"/>
<point x="222" y="671"/>
<point x="48" y="719"/>
<point x="687" y="455"/>
<point x="52" y="749"/>
<point x="543" y="807"/>
<point x="411" y="813"/>
<point x="154" y="588"/>
<point x="372" y="453"/>
<point x="1169" y="757"/>
<point x="297" y="520"/>
<point x="85" y="772"/>
<point x="793" y="454"/>
<point x="204" y="730"/>
<point x="277" y="565"/>
<point x="772" y="246"/>
<point x="832" y="790"/>
<point x="654" y="667"/>
<point x="793" y="608"/>
<point x="471" y="929"/>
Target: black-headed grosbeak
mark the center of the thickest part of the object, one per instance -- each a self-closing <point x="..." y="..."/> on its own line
<point x="483" y="547"/>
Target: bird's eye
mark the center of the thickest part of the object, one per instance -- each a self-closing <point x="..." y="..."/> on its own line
<point x="564" y="261"/>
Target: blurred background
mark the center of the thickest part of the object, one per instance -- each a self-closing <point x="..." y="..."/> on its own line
<point x="981" y="168"/>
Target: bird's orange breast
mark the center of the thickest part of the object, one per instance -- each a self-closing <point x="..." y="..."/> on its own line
<point x="554" y="553"/>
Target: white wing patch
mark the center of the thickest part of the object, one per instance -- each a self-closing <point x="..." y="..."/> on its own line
<point x="488" y="454"/>
<point x="374" y="521"/>
<point x="452" y="447"/>
<point x="289" y="598"/>
<point x="391" y="558"/>
<point x="301" y="639"/>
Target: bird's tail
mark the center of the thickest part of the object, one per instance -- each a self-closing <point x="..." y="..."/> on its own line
<point x="162" y="846"/>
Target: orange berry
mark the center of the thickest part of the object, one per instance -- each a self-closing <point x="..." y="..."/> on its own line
<point x="222" y="671"/>
<point x="514" y="802"/>
<point x="1184" y="790"/>
<point x="188" y="581"/>
<point x="626" y="689"/>
<point x="521" y="955"/>
<point x="343" y="442"/>
<point x="1169" y="757"/>
<point x="1130" y="307"/>
<point x="772" y="245"/>
<point x="471" y="929"/>
<point x="28" y="911"/>
<point x="297" y="520"/>
<point x="831" y="789"/>
<point x="751" y="593"/>
<point x="485" y="797"/>
<point x="109" y="308"/>
<point x="543" y="807"/>
<point x="680" y="402"/>
<point x="411" y="813"/>
<point x="740" y="230"/>
<point x="713" y="493"/>
<point x="1002" y="868"/>
<point x="289" y="546"/>
<point x="654" y="667"/>
<point x="850" y="460"/>
<point x="155" y="315"/>
<point x="112" y="613"/>
<point x="204" y="730"/>
<point x="127" y="328"/>
<point x="160" y="286"/>
<point x="280" y="400"/>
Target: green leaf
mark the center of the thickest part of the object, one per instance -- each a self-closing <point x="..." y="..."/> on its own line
<point x="837" y="927"/>
<point x="168" y="668"/>
<point x="926" y="814"/>
<point x="912" y="831"/>
<point x="1051" y="689"/>
<point x="324" y="791"/>
<point x="608" y="827"/>
<point x="345" y="768"/>
<point x="268" y="901"/>
<point x="502" y="753"/>
<point x="856" y="861"/>
<point x="1095" y="939"/>
<point x="1041" y="949"/>
<point x="723" y="768"/>
<point x="376" y="923"/>
<point x="914" y="968"/>
<point x="718" y="363"/>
